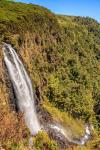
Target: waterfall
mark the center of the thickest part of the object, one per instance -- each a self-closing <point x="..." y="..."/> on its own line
<point x="23" y="88"/>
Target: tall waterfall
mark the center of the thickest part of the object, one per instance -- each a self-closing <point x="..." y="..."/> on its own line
<point x="23" y="88"/>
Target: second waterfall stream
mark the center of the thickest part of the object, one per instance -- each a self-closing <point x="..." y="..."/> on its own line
<point x="22" y="87"/>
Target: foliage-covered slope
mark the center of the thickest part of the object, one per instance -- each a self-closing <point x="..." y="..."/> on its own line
<point x="62" y="56"/>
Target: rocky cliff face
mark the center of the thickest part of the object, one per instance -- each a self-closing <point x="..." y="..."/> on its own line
<point x="62" y="57"/>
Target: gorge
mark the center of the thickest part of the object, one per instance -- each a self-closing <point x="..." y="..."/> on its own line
<point x="25" y="101"/>
<point x="50" y="70"/>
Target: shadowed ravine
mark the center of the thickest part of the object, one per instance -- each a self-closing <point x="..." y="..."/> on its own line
<point x="25" y="99"/>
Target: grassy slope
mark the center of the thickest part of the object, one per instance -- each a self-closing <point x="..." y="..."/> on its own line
<point x="62" y="55"/>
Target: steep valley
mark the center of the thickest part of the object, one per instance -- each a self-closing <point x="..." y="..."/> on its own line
<point x="62" y="57"/>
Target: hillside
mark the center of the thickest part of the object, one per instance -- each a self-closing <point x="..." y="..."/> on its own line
<point x="62" y="57"/>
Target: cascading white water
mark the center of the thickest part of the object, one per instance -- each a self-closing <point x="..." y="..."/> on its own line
<point x="23" y="88"/>
<point x="81" y="141"/>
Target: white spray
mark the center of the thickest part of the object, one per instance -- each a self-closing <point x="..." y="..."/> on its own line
<point x="23" y="88"/>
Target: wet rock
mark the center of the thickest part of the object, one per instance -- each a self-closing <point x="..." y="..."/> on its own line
<point x="37" y="95"/>
<point x="59" y="138"/>
<point x="44" y="116"/>
<point x="12" y="98"/>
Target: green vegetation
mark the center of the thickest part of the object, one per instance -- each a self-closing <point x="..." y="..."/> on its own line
<point x="74" y="128"/>
<point x="62" y="56"/>
<point x="42" y="141"/>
